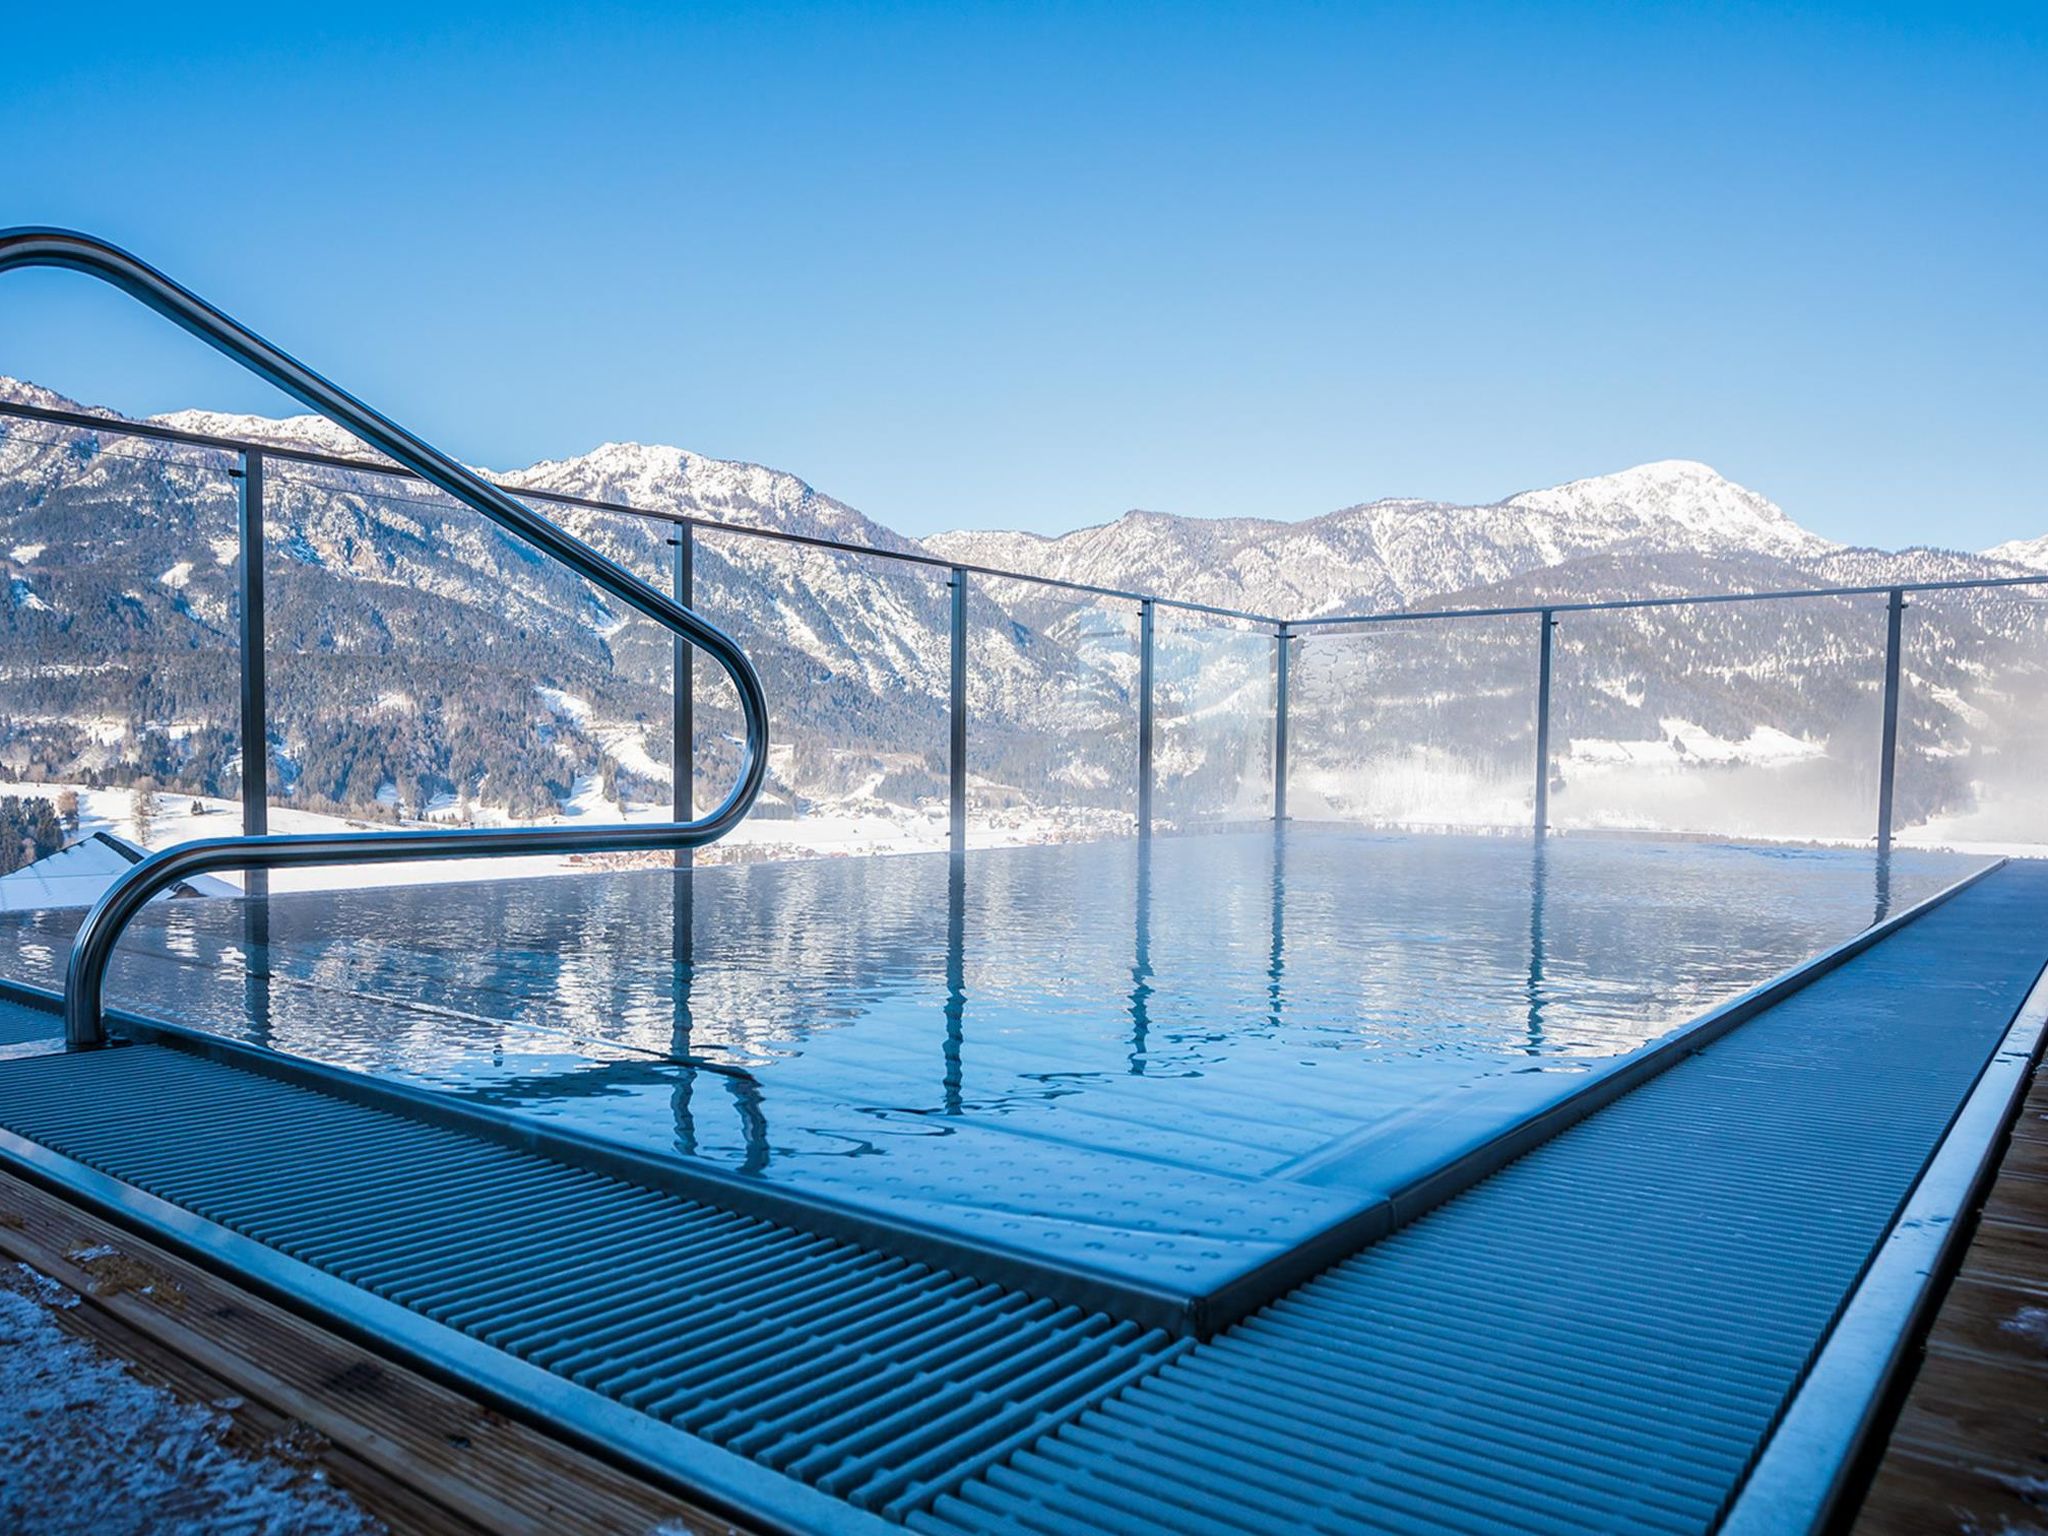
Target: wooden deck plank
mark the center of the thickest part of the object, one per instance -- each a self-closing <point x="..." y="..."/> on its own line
<point x="1915" y="1496"/>
<point x="2026" y="1157"/>
<point x="421" y="1456"/>
<point x="2012" y="1254"/>
<point x="2032" y="1124"/>
<point x="1993" y="1321"/>
<point x="2018" y="1201"/>
<point x="1969" y="1453"/>
<point x="257" y="1429"/>
<point x="1975" y="1413"/>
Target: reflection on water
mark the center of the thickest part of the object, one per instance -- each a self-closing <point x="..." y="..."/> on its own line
<point x="1227" y="1002"/>
<point x="1538" y="867"/>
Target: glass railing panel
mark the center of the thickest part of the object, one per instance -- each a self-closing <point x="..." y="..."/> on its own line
<point x="425" y="667"/>
<point x="1752" y="720"/>
<point x="635" y="763"/>
<point x="1422" y="724"/>
<point x="1213" y="700"/>
<point x="1973" y="741"/>
<point x="853" y="655"/>
<point x="119" y="700"/>
<point x="1052" y="719"/>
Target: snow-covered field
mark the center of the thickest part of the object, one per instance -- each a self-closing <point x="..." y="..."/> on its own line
<point x="872" y="828"/>
<point x="88" y="1447"/>
<point x="1769" y="786"/>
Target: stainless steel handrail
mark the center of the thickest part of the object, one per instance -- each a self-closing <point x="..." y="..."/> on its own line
<point x="1683" y="600"/>
<point x="85" y="977"/>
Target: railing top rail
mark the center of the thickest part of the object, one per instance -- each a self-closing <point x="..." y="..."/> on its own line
<point x="125" y="427"/>
<point x="121" y="426"/>
<point x="1875" y="589"/>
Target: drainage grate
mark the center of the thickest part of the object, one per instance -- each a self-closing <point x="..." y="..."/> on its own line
<point x="21" y="1025"/>
<point x="870" y="1377"/>
<point x="1601" y="1336"/>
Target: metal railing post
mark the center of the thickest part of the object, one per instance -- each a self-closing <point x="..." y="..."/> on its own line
<point x="956" y="794"/>
<point x="1283" y="634"/>
<point x="683" y="723"/>
<point x="254" y="728"/>
<point x="1542" y="817"/>
<point x="1888" y="760"/>
<point x="255" y="725"/>
<point x="1145" y="717"/>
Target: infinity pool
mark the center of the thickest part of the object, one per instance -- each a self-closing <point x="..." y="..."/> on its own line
<point x="1164" y="1068"/>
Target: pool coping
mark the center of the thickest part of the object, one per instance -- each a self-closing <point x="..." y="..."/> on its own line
<point x="1175" y="1310"/>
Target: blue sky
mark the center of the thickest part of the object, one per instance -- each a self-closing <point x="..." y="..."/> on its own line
<point x="972" y="265"/>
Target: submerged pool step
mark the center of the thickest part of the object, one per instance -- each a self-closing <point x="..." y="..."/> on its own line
<point x="1599" y="1337"/>
<point x="868" y="1376"/>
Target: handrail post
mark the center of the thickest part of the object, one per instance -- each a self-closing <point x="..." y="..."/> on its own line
<point x="1283" y="634"/>
<point x="956" y="791"/>
<point x="1888" y="758"/>
<point x="255" y="734"/>
<point x="1145" y="715"/>
<point x="683" y="723"/>
<point x="1542" y="817"/>
<point x="255" y="725"/>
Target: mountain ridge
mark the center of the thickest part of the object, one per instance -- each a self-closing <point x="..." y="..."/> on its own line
<point x="1388" y="551"/>
<point x="427" y="665"/>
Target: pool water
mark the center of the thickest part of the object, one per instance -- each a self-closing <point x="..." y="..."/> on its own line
<point x="1161" y="1066"/>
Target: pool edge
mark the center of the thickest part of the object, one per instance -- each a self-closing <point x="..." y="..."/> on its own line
<point x="1451" y="1176"/>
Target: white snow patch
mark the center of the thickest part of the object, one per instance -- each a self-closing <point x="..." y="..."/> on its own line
<point x="628" y="747"/>
<point x="2030" y="1323"/>
<point x="23" y="553"/>
<point x="91" y="1448"/>
<point x="567" y="705"/>
<point x="1949" y="699"/>
<point x="1685" y="745"/>
<point x="2029" y="552"/>
<point x="177" y="576"/>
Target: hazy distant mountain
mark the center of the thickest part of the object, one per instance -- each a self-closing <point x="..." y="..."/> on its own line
<point x="424" y="662"/>
<point x="1386" y="554"/>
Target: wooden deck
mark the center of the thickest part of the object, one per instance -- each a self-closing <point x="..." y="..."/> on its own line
<point x="1970" y="1451"/>
<point x="411" y="1452"/>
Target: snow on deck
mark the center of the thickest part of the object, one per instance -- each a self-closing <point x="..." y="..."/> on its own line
<point x="89" y="1447"/>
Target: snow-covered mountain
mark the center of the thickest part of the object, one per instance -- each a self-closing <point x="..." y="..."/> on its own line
<point x="2031" y="553"/>
<point x="425" y="664"/>
<point x="1388" y="553"/>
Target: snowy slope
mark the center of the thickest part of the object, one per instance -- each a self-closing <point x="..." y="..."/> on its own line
<point x="2031" y="553"/>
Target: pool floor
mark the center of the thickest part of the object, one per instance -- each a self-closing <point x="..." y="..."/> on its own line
<point x="1155" y="1071"/>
